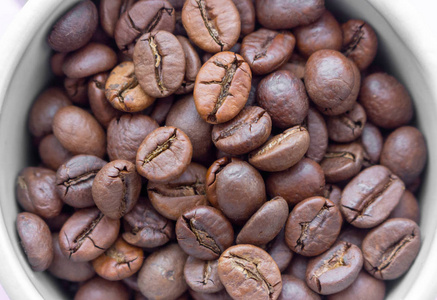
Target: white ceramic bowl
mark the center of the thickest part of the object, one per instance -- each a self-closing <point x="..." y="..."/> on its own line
<point x="406" y="50"/>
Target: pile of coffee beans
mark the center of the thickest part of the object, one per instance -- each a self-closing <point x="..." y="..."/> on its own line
<point x="218" y="149"/>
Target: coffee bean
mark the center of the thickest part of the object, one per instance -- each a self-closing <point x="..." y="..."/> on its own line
<point x="266" y="50"/>
<point x="333" y="193"/>
<point x="164" y="154"/>
<point x="368" y="199"/>
<point x="246" y="9"/>
<point x="282" y="151"/>
<point x="75" y="178"/>
<point x="222" y="87"/>
<point x="313" y="226"/>
<point x="318" y="131"/>
<point x="332" y="82"/>
<point x="75" y="28"/>
<point x="295" y="65"/>
<point x="87" y="234"/>
<point x="56" y="62"/>
<point x="123" y="90"/>
<point x="295" y="288"/>
<point x="159" y="63"/>
<point x="52" y="153"/>
<point x="36" y="240"/>
<point x="390" y="249"/>
<point x="110" y="11"/>
<point x="298" y="266"/>
<point x="103" y="289"/>
<point x="202" y="275"/>
<point x="407" y="208"/>
<point x="116" y="188"/>
<point x="192" y="66"/>
<point x="284" y="97"/>
<point x="334" y="270"/>
<point x="244" y="133"/>
<point x="279" y="251"/>
<point x="372" y="142"/>
<point x="76" y="89"/>
<point x="353" y="235"/>
<point x="347" y="127"/>
<point x="213" y="25"/>
<point x="248" y="272"/>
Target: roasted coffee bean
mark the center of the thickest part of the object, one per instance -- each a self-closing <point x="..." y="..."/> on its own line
<point x="368" y="199"/>
<point x="159" y="60"/>
<point x="79" y="132"/>
<point x="213" y="25"/>
<point x="282" y="151"/>
<point x="202" y="275"/>
<point x="74" y="29"/>
<point x="386" y="101"/>
<point x="390" y="249"/>
<point x="99" y="288"/>
<point x="110" y="11"/>
<point x="44" y="109"/>
<point x="36" y="192"/>
<point x="222" y="86"/>
<point x="404" y="153"/>
<point x="144" y="227"/>
<point x="298" y="266"/>
<point x="238" y="188"/>
<point x="248" y="272"/>
<point x="360" y="43"/>
<point x="334" y="270"/>
<point x="204" y="232"/>
<point x="353" y="235"/>
<point x="347" y="127"/>
<point x="116" y="188"/>
<point x="143" y="17"/>
<point x="56" y="62"/>
<point x="74" y="180"/>
<point x="89" y="60"/>
<point x="307" y="177"/>
<point x="244" y="133"/>
<point x="120" y="261"/>
<point x="283" y="96"/>
<point x="183" y="115"/>
<point x="266" y="50"/>
<point x="364" y="287"/>
<point x="295" y="65"/>
<point x="333" y="193"/>
<point x="164" y="154"/>
<point x="161" y="109"/>
<point x="407" y="208"/>
<point x="64" y="268"/>
<point x="87" y="234"/>
<point x="342" y="161"/>
<point x="279" y="251"/>
<point x="161" y="276"/>
<point x="294" y="288"/>
<point x="246" y="9"/>
<point x="318" y="131"/>
<point x="332" y="82"/>
<point x="125" y="135"/>
<point x="76" y="89"/>
<point x="372" y="142"/>
<point x="52" y="153"/>
<point x="173" y="198"/>
<point x="278" y="14"/>
<point x="324" y="33"/>
<point x="260" y="228"/>
<point x="101" y="108"/>
<point x="36" y="240"/>
<point x="123" y="90"/>
<point x="192" y="66"/>
<point x="313" y="226"/>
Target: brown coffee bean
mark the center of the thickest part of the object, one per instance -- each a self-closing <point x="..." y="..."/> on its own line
<point x="74" y="180"/>
<point x="390" y="249"/>
<point x="123" y="90"/>
<point x="187" y="191"/>
<point x="244" y="133"/>
<point x="213" y="26"/>
<point x="52" y="153"/>
<point x="318" y="131"/>
<point x="204" y="232"/>
<point x="116" y="188"/>
<point x="235" y="265"/>
<point x="260" y="228"/>
<point x="192" y="66"/>
<point x="282" y="151"/>
<point x="407" y="208"/>
<point x="161" y="276"/>
<point x="75" y="28"/>
<point x="76" y="89"/>
<point x="36" y="240"/>
<point x="313" y="226"/>
<point x="56" y="62"/>
<point x="120" y="261"/>
<point x="202" y="276"/>
<point x="99" y="288"/>
<point x="164" y="154"/>
<point x="222" y="87"/>
<point x="87" y="234"/>
<point x="266" y="50"/>
<point x="246" y="9"/>
<point x="110" y="11"/>
<point x="159" y="63"/>
<point x="36" y="192"/>
<point x="372" y="142"/>
<point x="79" y="132"/>
<point x="347" y="127"/>
<point x="145" y="227"/>
<point x="294" y="288"/>
<point x="295" y="65"/>
<point x="368" y="199"/>
<point x="279" y="250"/>
<point x="333" y="193"/>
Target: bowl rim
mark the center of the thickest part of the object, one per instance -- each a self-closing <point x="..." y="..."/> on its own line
<point x="402" y="17"/>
